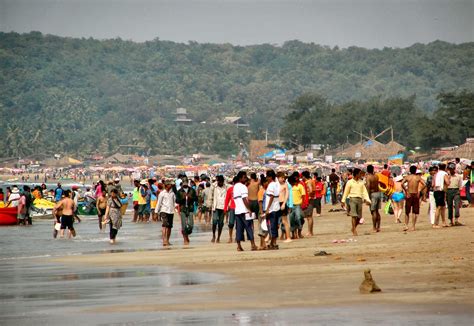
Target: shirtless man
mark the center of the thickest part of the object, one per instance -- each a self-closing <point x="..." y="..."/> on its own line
<point x="67" y="219"/>
<point x="101" y="205"/>
<point x="372" y="185"/>
<point x="411" y="185"/>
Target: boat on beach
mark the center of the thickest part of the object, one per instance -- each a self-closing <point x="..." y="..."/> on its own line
<point x="8" y="216"/>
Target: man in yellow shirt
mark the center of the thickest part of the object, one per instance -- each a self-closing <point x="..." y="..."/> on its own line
<point x="357" y="193"/>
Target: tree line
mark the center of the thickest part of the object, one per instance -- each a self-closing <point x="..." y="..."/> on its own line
<point x="82" y="96"/>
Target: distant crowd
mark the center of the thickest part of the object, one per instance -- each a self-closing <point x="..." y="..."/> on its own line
<point x="276" y="205"/>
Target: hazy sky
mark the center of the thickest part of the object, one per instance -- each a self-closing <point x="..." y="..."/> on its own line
<point x="366" y="23"/>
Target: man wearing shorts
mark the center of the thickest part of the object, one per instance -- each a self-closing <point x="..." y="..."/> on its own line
<point x="441" y="182"/>
<point x="357" y="193"/>
<point x="165" y="208"/>
<point x="243" y="218"/>
<point x="253" y="189"/>
<point x="372" y="184"/>
<point x="411" y="184"/>
<point x="67" y="219"/>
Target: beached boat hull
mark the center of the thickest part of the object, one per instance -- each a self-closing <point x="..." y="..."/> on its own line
<point x="8" y="216"/>
<point x="86" y="210"/>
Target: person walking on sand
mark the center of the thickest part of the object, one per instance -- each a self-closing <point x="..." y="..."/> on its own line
<point x="218" y="202"/>
<point x="283" y="199"/>
<point x="185" y="198"/>
<point x="229" y="209"/>
<point x="67" y="219"/>
<point x="296" y="216"/>
<point x="318" y="195"/>
<point x="262" y="220"/>
<point x="411" y="185"/>
<point x="113" y="214"/>
<point x="372" y="184"/>
<point x="308" y="212"/>
<point x="165" y="208"/>
<point x="272" y="208"/>
<point x="453" y="195"/>
<point x="429" y="192"/>
<point x="334" y="182"/>
<point x="441" y="181"/>
<point x="254" y="185"/>
<point x="243" y="217"/>
<point x="357" y="193"/>
<point x="398" y="198"/>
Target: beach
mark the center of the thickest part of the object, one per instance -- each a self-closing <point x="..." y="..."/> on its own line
<point x="426" y="268"/>
<point x="425" y="276"/>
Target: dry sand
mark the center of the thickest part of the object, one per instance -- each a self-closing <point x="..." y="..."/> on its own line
<point x="429" y="267"/>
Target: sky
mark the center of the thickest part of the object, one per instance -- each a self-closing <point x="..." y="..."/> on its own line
<point x="343" y="23"/>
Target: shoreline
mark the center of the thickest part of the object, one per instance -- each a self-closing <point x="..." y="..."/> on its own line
<point x="426" y="267"/>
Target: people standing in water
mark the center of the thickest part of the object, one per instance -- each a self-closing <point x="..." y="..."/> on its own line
<point x="101" y="205"/>
<point x="185" y="198"/>
<point x="67" y="219"/>
<point x="58" y="193"/>
<point x="113" y="214"/>
<point x="165" y="208"/>
<point x="357" y="193"/>
<point x="218" y="201"/>
<point x="135" y="197"/>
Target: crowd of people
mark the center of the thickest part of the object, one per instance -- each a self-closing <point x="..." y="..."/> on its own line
<point x="274" y="206"/>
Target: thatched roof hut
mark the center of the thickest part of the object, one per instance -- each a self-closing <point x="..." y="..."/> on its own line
<point x="465" y="150"/>
<point x="371" y="150"/>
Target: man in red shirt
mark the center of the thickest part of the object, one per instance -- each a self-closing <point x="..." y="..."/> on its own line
<point x="229" y="209"/>
<point x="386" y="171"/>
<point x="318" y="194"/>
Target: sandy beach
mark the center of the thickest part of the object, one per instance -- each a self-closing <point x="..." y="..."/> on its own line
<point x="427" y="268"/>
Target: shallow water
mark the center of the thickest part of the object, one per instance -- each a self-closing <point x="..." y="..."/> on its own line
<point x="19" y="242"/>
<point x="33" y="292"/>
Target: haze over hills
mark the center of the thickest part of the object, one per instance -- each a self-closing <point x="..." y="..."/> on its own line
<point x="83" y="95"/>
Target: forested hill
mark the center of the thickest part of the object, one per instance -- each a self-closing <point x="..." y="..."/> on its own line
<point x="84" y="95"/>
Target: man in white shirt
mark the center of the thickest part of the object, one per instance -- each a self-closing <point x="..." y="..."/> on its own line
<point x="218" y="200"/>
<point x="165" y="207"/>
<point x="272" y="208"/>
<point x="441" y="181"/>
<point x="243" y="219"/>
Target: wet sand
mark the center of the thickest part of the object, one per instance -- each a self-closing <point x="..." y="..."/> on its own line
<point x="427" y="270"/>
